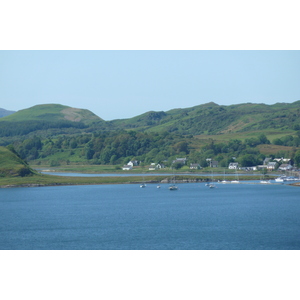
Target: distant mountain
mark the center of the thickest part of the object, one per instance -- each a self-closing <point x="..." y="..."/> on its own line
<point x="52" y="113"/>
<point x="49" y="119"/>
<point x="4" y="112"/>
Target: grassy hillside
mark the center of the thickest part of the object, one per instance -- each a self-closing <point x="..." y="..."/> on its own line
<point x="49" y="120"/>
<point x="52" y="113"/>
<point x="208" y="119"/>
<point x="11" y="165"/>
<point x="214" y="119"/>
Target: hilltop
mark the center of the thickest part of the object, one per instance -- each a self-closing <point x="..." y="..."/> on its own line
<point x="208" y="119"/>
<point x="48" y="120"/>
<point x="53" y="113"/>
<point x="211" y="118"/>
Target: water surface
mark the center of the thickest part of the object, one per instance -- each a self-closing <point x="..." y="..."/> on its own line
<point x="128" y="217"/>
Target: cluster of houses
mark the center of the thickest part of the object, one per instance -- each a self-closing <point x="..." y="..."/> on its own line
<point x="283" y="164"/>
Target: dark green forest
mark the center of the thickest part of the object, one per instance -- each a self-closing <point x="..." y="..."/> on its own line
<point x="118" y="147"/>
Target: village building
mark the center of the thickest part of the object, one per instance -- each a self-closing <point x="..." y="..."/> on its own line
<point x="195" y="166"/>
<point x="233" y="166"/>
<point x="154" y="166"/>
<point x="261" y="167"/>
<point x="133" y="163"/>
<point x="180" y="160"/>
<point x="267" y="160"/>
<point x="127" y="167"/>
<point x="285" y="167"/>
<point x="272" y="165"/>
<point x="214" y="164"/>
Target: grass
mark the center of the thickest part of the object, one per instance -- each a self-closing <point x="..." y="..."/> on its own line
<point x="11" y="164"/>
<point x="270" y="134"/>
<point x="51" y="113"/>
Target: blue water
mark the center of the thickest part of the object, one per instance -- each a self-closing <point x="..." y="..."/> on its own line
<point x="241" y="216"/>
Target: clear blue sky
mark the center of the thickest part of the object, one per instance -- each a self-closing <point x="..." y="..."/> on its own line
<point x="123" y="84"/>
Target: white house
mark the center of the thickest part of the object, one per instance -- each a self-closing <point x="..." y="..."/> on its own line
<point x="272" y="165"/>
<point x="133" y="163"/>
<point x="160" y="166"/>
<point x="285" y="167"/>
<point x="152" y="167"/>
<point x="233" y="166"/>
<point x="127" y="167"/>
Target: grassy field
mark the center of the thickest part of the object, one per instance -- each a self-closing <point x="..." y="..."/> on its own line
<point x="270" y="134"/>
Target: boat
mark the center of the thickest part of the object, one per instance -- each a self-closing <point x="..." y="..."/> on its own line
<point x="158" y="187"/>
<point x="211" y="185"/>
<point x="280" y="179"/>
<point x="173" y="187"/>
<point x="264" y="181"/>
<point x="236" y="178"/>
<point x="143" y="185"/>
<point x="224" y="180"/>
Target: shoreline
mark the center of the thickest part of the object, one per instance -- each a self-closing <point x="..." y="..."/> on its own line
<point x="51" y="180"/>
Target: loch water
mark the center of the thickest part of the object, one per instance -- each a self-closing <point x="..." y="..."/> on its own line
<point x="125" y="216"/>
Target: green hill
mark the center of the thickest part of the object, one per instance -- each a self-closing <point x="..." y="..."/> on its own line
<point x="212" y="118"/>
<point x="51" y="120"/>
<point x="53" y="113"/>
<point x="48" y="119"/>
<point x="12" y="165"/>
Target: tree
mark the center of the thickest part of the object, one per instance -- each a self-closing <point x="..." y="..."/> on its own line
<point x="297" y="158"/>
<point x="248" y="160"/>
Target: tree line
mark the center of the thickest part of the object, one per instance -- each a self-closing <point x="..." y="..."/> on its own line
<point x="117" y="148"/>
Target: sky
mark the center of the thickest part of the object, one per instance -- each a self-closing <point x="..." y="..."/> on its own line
<point x="118" y="84"/>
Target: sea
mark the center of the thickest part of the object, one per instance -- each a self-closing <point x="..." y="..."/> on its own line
<point x="246" y="216"/>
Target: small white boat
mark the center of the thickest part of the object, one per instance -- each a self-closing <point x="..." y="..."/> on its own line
<point x="265" y="181"/>
<point x="158" y="187"/>
<point x="236" y="178"/>
<point x="173" y="188"/>
<point x="280" y="179"/>
<point x="143" y="185"/>
<point x="224" y="180"/>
